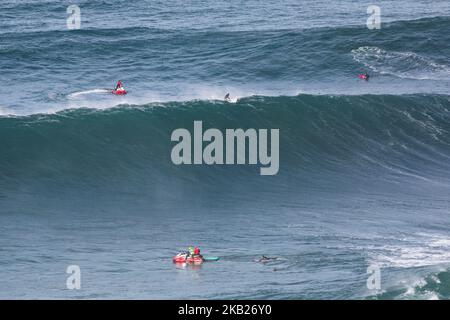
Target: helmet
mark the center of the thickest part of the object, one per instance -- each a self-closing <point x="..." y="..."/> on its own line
<point x="197" y="250"/>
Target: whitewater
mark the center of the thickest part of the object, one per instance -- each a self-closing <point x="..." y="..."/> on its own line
<point x="86" y="178"/>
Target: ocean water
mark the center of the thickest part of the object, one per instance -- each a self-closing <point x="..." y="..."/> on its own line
<point x="86" y="177"/>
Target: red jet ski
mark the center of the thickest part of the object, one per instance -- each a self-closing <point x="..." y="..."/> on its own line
<point x="119" y="92"/>
<point x="183" y="258"/>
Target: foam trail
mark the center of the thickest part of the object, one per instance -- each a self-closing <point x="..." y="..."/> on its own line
<point x="80" y="93"/>
<point x="408" y="65"/>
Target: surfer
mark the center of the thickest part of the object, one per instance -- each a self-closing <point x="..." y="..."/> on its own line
<point x="119" y="85"/>
<point x="227" y="97"/>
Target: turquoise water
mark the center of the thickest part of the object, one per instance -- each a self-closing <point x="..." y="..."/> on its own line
<point x="86" y="178"/>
